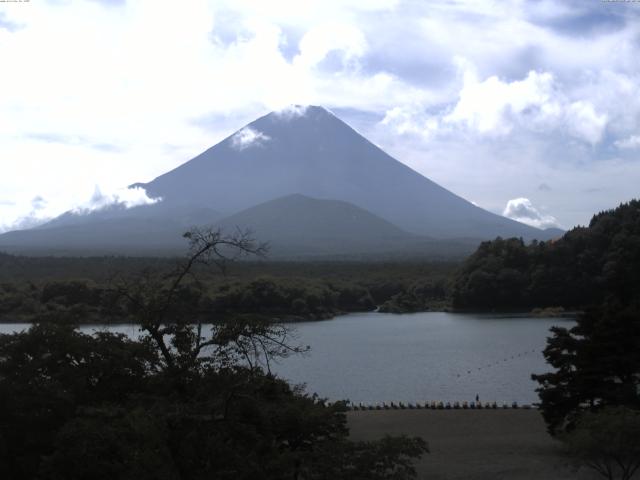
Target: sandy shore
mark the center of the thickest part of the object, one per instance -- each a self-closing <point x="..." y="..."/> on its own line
<point x="475" y="444"/>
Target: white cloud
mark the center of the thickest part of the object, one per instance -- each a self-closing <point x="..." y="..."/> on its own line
<point x="25" y="214"/>
<point x="38" y="203"/>
<point x="584" y="122"/>
<point x="124" y="197"/>
<point x="522" y="210"/>
<point x="318" y="42"/>
<point x="537" y="83"/>
<point x="410" y="120"/>
<point x="630" y="143"/>
<point x="32" y="219"/>
<point x="493" y="106"/>
<point x="248" y="137"/>
<point x="292" y="111"/>
<point x="497" y="108"/>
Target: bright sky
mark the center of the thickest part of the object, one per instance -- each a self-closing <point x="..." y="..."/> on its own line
<point x="527" y="108"/>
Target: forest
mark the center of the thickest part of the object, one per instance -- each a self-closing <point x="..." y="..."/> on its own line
<point x="83" y="287"/>
<point x="584" y="267"/>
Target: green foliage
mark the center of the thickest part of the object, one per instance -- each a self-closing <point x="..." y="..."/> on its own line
<point x="596" y="362"/>
<point x="47" y="372"/>
<point x="584" y="267"/>
<point x="53" y="288"/>
<point x="608" y="441"/>
<point x="109" y="443"/>
<point x="274" y="297"/>
<point x="69" y="293"/>
<point x="389" y="458"/>
<point x="418" y="297"/>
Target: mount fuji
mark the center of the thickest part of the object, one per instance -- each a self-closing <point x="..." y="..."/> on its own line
<point x="279" y="176"/>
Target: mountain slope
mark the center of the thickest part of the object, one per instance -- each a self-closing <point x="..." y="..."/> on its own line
<point x="148" y="229"/>
<point x="297" y="224"/>
<point x="318" y="155"/>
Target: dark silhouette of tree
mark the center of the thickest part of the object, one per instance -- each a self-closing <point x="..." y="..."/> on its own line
<point x="596" y="362"/>
<point x="608" y="442"/>
<point x="52" y="370"/>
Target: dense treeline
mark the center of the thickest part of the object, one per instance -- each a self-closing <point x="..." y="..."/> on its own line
<point x="284" y="298"/>
<point x="40" y="288"/>
<point x="584" y="267"/>
<point x="102" y="269"/>
<point x="591" y="398"/>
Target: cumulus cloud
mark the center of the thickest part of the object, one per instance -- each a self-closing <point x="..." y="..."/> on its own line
<point x="524" y="90"/>
<point x="32" y="219"/>
<point x="24" y="223"/>
<point x="318" y="42"/>
<point x="22" y="215"/>
<point x="411" y="120"/>
<point x="124" y="198"/>
<point x="522" y="210"/>
<point x="248" y="137"/>
<point x="630" y="143"/>
<point x="38" y="203"/>
<point x="291" y="111"/>
<point x="584" y="122"/>
<point x="495" y="107"/>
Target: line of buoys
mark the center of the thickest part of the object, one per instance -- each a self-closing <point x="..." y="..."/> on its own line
<point x="498" y="362"/>
<point x="437" y="405"/>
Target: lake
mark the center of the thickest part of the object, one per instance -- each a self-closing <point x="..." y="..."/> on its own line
<point x="375" y="357"/>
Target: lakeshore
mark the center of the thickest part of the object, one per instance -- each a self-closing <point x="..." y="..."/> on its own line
<point x="510" y="444"/>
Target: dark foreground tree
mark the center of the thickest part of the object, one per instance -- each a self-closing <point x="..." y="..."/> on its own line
<point x="192" y="398"/>
<point x="607" y="441"/>
<point x="597" y="364"/>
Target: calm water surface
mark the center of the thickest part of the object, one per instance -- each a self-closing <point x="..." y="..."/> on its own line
<point x="375" y="357"/>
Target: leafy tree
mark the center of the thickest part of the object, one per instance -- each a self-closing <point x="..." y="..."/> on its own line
<point x="49" y="371"/>
<point x="608" y="441"/>
<point x="596" y="362"/>
<point x="418" y="297"/>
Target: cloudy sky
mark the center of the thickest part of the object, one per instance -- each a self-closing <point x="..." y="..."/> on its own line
<point x="527" y="108"/>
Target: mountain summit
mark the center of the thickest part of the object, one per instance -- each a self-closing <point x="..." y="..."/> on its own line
<point x="312" y="152"/>
<point x="319" y="165"/>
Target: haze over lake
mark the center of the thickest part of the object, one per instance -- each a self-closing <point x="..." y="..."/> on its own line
<point x="375" y="357"/>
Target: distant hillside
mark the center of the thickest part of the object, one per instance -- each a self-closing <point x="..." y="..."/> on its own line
<point x="585" y="266"/>
<point x="297" y="225"/>
<point x="183" y="215"/>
